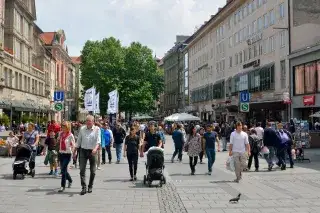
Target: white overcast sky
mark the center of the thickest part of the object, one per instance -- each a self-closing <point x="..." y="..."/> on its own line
<point x="154" y="23"/>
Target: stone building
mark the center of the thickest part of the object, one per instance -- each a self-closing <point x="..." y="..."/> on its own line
<point x="23" y="64"/>
<point x="244" y="47"/>
<point x="173" y="77"/>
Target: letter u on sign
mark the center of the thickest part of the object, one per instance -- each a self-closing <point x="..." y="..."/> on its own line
<point x="58" y="96"/>
<point x="244" y="97"/>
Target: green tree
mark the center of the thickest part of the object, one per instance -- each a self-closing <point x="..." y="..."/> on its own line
<point x="107" y="65"/>
<point x="4" y="119"/>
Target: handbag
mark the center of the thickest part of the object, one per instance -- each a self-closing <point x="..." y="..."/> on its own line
<point x="186" y="147"/>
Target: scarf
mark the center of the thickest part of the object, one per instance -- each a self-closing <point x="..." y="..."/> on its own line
<point x="63" y="144"/>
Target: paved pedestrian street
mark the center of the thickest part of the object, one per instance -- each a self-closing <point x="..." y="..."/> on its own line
<point x="293" y="190"/>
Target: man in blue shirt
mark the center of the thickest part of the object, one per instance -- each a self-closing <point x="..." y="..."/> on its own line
<point x="106" y="144"/>
<point x="210" y="138"/>
<point x="178" y="140"/>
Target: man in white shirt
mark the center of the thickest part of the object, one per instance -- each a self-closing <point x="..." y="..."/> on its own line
<point x="89" y="140"/>
<point x="259" y="130"/>
<point x="239" y="145"/>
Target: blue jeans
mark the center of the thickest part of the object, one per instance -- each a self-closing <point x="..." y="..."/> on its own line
<point x="211" y="155"/>
<point x="118" y="150"/>
<point x="270" y="157"/>
<point x="64" y="162"/>
<point x="224" y="143"/>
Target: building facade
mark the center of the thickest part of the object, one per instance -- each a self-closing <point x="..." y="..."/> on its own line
<point x="244" y="47"/>
<point x="22" y="67"/>
<point x="305" y="58"/>
<point x="55" y="42"/>
<point x="174" y="76"/>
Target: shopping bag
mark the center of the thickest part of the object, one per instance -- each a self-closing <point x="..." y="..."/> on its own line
<point x="46" y="160"/>
<point x="264" y="150"/>
<point x="230" y="164"/>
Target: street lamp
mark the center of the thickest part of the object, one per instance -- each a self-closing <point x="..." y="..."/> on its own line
<point x="11" y="98"/>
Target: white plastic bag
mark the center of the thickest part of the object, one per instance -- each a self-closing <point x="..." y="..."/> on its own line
<point x="230" y="164"/>
<point x="264" y="150"/>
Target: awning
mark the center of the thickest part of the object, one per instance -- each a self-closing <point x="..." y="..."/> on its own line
<point x="4" y="104"/>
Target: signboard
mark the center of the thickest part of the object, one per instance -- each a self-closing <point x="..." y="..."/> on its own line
<point x="255" y="63"/>
<point x="58" y="96"/>
<point x="244" y="97"/>
<point x="244" y="107"/>
<point x="58" y="107"/>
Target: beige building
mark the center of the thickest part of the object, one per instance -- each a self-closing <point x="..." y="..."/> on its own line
<point x="25" y="65"/>
<point x="244" y="47"/>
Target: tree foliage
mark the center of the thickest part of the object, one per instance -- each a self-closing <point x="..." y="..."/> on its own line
<point x="107" y="65"/>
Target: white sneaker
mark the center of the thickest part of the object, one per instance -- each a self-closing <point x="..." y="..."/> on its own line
<point x="98" y="168"/>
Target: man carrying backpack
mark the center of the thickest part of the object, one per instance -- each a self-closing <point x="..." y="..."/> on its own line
<point x="284" y="145"/>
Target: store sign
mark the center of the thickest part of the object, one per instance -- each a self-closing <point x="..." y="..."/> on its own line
<point x="255" y="63"/>
<point x="309" y="100"/>
<point x="254" y="39"/>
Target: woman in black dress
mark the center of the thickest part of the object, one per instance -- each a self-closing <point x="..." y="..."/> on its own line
<point x="131" y="147"/>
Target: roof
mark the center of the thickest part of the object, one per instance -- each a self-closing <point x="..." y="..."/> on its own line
<point x="213" y="17"/>
<point x="47" y="37"/>
<point x="76" y="59"/>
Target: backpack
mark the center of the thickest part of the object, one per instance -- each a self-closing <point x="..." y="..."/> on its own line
<point x="283" y="137"/>
<point x="256" y="144"/>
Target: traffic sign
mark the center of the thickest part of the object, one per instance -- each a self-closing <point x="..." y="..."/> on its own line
<point x="244" y="107"/>
<point x="58" y="106"/>
<point x="244" y="97"/>
<point x="58" y="96"/>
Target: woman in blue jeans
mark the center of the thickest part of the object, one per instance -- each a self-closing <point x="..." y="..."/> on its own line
<point x="31" y="137"/>
<point x="67" y="145"/>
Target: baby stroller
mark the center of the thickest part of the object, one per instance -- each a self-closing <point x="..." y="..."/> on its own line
<point x="20" y="164"/>
<point x="154" y="166"/>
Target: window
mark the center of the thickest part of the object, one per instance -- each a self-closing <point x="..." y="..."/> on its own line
<point x="260" y="23"/>
<point x="218" y="67"/>
<point x="245" y="11"/>
<point x="249" y="8"/>
<point x="249" y="30"/>
<point x="235" y="18"/>
<point x="283" y="74"/>
<point x="17" y="21"/>
<point x="240" y="57"/>
<point x="16" y="80"/>
<point x="26" y="55"/>
<point x="243" y="82"/>
<point x="255" y="51"/>
<point x="306" y="78"/>
<point x="245" y="56"/>
<point x="264" y="46"/>
<point x="272" y="17"/>
<point x="282" y="39"/>
<point x="254" y="5"/>
<point x="26" y="29"/>
<point x="272" y="44"/>
<point x="20" y="81"/>
<point x="230" y="61"/>
<point x="260" y="48"/>
<point x="281" y="10"/>
<point x="236" y="37"/>
<point x="230" y="41"/>
<point x="249" y="54"/>
<point x="17" y="51"/>
<point x="223" y="64"/>
<point x="25" y="84"/>
<point x="254" y="27"/>
<point x="236" y="59"/>
<point x="240" y="36"/>
<point x="266" y="20"/>
<point x="260" y="2"/>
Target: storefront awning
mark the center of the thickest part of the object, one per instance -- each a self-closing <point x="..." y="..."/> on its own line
<point x="4" y="104"/>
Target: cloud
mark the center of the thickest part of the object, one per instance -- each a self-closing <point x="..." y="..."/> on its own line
<point x="154" y="23"/>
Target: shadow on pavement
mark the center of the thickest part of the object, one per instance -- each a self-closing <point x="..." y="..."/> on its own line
<point x="187" y="174"/>
<point x="222" y="181"/>
<point x="53" y="192"/>
<point x="117" y="180"/>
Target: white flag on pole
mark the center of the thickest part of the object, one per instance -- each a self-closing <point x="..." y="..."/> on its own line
<point x="97" y="103"/>
<point x="89" y="97"/>
<point x="113" y="102"/>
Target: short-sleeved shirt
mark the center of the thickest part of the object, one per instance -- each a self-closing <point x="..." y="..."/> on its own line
<point x="30" y="137"/>
<point x="132" y="144"/>
<point x="210" y="138"/>
<point x="239" y="141"/>
<point x="51" y="143"/>
<point x="152" y="139"/>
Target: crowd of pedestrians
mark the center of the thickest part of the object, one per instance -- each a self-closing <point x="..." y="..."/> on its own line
<point x="92" y="142"/>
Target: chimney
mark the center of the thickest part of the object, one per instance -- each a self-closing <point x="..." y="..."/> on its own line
<point x="211" y="16"/>
<point x="219" y="9"/>
<point x="228" y="1"/>
<point x="205" y="22"/>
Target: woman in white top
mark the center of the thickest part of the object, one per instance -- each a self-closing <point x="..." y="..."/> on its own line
<point x="239" y="144"/>
<point x="67" y="145"/>
<point x="12" y="141"/>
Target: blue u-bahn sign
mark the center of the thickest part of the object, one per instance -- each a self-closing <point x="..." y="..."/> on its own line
<point x="58" y="96"/>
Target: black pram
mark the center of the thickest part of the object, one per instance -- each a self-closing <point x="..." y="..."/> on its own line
<point x="154" y="166"/>
<point x="20" y="164"/>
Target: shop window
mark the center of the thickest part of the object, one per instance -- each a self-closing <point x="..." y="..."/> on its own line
<point x="243" y="82"/>
<point x="235" y="85"/>
<point x="310" y="78"/>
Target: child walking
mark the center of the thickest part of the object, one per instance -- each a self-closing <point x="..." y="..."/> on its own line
<point x="51" y="155"/>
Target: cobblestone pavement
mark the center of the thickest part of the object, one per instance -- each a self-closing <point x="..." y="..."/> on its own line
<point x="293" y="190"/>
